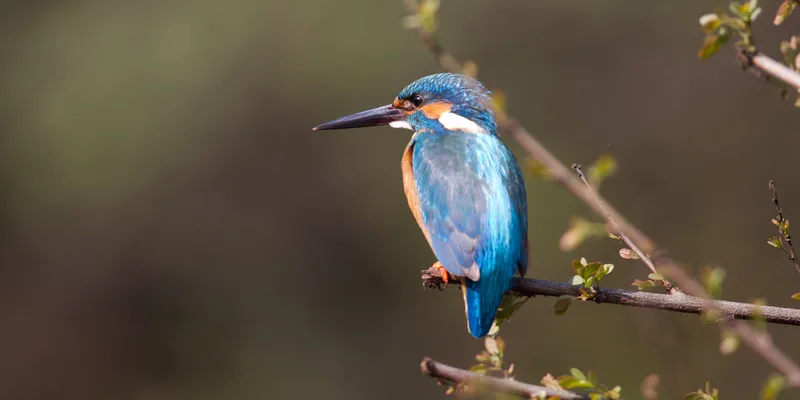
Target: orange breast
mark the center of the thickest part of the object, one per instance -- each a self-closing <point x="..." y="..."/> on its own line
<point x="410" y="188"/>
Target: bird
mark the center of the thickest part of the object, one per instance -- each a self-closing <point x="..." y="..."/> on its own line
<point x="464" y="186"/>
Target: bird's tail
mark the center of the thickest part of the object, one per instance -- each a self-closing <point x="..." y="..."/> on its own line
<point x="482" y="298"/>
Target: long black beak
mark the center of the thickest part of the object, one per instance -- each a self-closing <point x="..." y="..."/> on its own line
<point x="377" y="116"/>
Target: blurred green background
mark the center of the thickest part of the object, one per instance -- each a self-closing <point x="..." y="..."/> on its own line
<point x="171" y="228"/>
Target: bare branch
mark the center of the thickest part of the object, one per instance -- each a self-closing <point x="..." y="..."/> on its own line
<point x="775" y="69"/>
<point x="783" y="229"/>
<point x="459" y="376"/>
<point x="624" y="237"/>
<point x="678" y="302"/>
<point x="760" y="342"/>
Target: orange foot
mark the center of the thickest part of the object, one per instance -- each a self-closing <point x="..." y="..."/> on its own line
<point x="443" y="271"/>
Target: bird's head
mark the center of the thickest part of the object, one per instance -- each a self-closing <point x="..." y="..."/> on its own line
<point x="453" y="101"/>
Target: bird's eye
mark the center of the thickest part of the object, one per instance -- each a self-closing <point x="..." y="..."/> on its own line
<point x="417" y="100"/>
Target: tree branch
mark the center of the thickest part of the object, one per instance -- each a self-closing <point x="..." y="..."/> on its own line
<point x="432" y="278"/>
<point x="759" y="341"/>
<point x="774" y="69"/>
<point x="459" y="376"/>
<point x="787" y="248"/>
<point x="625" y="238"/>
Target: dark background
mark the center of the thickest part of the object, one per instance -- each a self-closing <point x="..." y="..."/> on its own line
<point x="171" y="228"/>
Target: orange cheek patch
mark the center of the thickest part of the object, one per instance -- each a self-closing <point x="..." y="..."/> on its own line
<point x="435" y="110"/>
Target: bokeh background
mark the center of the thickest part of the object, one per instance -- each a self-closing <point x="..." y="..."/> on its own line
<point x="171" y="228"/>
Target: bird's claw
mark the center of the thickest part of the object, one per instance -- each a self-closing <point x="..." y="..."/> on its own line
<point x="443" y="271"/>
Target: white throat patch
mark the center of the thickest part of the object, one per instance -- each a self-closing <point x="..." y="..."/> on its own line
<point x="455" y="122"/>
<point x="401" y="125"/>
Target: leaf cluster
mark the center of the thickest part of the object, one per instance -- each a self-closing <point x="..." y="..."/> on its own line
<point x="578" y="381"/>
<point x="720" y="26"/>
<point x="587" y="276"/>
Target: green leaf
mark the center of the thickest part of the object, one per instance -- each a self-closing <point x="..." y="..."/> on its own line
<point x="712" y="280"/>
<point x="604" y="167"/>
<point x="605" y="269"/>
<point x="613" y="394"/>
<point x="479" y="369"/>
<point x="579" y="231"/>
<point x="775" y="242"/>
<point x="736" y="8"/>
<point x="510" y="304"/>
<point x="755" y="14"/>
<point x="730" y="342"/>
<point x="773" y="387"/>
<point x="501" y="345"/>
<point x="577" y="374"/>
<point x="590" y="282"/>
<point x="641" y="285"/>
<point x="483" y="356"/>
<point x="784" y="11"/>
<point x="577" y="280"/>
<point x="796" y="296"/>
<point x="712" y="44"/>
<point x="570" y="382"/>
<point x="577" y="267"/>
<point x="538" y="169"/>
<point x="710" y="22"/>
<point x="562" y="304"/>
<point x="590" y="270"/>
<point x="656" y="277"/>
<point x="427" y="12"/>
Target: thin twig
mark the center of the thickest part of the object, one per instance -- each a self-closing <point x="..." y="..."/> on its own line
<point x="458" y="376"/>
<point x="644" y="257"/>
<point x="787" y="247"/>
<point x="759" y="341"/>
<point x="679" y="302"/>
<point x="775" y="69"/>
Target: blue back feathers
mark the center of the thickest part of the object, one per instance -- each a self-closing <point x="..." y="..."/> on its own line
<point x="471" y="195"/>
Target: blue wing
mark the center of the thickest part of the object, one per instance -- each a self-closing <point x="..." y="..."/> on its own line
<point x="473" y="206"/>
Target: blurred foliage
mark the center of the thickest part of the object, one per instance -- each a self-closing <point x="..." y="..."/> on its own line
<point x="720" y="26"/>
<point x="791" y="54"/>
<point x="579" y="382"/>
<point x="600" y="170"/>
<point x="712" y="279"/>
<point x="784" y="11"/>
<point x="654" y="279"/>
<point x="170" y="228"/>
<point x="580" y="230"/>
<point x="425" y="17"/>
<point x="772" y="387"/>
<point x="708" y="394"/>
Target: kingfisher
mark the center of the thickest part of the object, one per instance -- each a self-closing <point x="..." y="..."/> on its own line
<point x="463" y="186"/>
